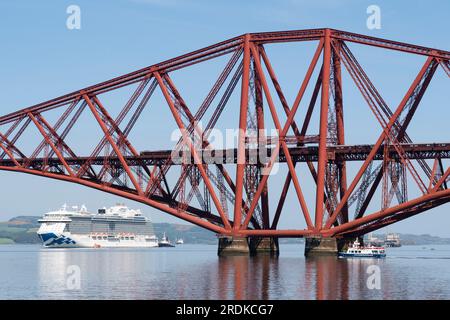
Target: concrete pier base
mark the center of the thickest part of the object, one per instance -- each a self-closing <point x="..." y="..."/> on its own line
<point x="323" y="246"/>
<point x="320" y="246"/>
<point x="264" y="245"/>
<point x="230" y="246"/>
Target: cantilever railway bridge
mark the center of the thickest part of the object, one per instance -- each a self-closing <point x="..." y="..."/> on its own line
<point x="231" y="197"/>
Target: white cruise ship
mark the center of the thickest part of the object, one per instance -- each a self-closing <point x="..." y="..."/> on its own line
<point x="75" y="227"/>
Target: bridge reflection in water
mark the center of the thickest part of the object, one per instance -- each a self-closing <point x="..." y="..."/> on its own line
<point x="194" y="273"/>
<point x="319" y="278"/>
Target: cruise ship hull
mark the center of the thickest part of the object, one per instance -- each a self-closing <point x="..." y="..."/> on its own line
<point x="67" y="240"/>
<point x="115" y="227"/>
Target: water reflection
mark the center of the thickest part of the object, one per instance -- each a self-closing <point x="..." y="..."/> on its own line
<point x="243" y="277"/>
<point x="195" y="272"/>
<point x="267" y="277"/>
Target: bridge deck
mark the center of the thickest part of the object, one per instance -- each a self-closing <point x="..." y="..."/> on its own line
<point x="299" y="154"/>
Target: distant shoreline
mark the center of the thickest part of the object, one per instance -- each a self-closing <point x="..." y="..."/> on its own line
<point x="22" y="230"/>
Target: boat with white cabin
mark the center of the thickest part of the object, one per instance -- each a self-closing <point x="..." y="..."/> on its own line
<point x="358" y="251"/>
<point x="165" y="242"/>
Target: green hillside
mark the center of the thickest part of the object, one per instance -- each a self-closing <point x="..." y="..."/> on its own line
<point x="21" y="229"/>
<point x="189" y="233"/>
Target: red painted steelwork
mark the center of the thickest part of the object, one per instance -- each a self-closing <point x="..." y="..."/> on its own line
<point x="115" y="166"/>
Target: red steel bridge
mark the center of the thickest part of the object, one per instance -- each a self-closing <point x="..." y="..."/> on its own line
<point x="230" y="196"/>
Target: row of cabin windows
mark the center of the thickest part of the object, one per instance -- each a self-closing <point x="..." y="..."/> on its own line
<point x="359" y="251"/>
<point x="82" y="227"/>
<point x="106" y="238"/>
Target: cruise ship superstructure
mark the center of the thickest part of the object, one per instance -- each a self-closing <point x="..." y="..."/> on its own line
<point x="117" y="226"/>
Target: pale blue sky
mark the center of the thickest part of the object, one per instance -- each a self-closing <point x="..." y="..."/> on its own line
<point x="41" y="59"/>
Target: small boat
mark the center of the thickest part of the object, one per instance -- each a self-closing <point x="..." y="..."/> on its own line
<point x="179" y="241"/>
<point x="392" y="240"/>
<point x="357" y="251"/>
<point x="165" y="242"/>
<point x="374" y="241"/>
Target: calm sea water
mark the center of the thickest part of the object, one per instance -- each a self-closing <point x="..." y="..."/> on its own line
<point x="195" y="272"/>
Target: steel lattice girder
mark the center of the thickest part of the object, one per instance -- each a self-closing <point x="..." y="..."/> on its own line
<point x="146" y="170"/>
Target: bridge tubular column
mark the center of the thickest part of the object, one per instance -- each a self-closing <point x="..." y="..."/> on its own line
<point x="340" y="124"/>
<point x="242" y="130"/>
<point x="261" y="138"/>
<point x="323" y="131"/>
<point x="233" y="246"/>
